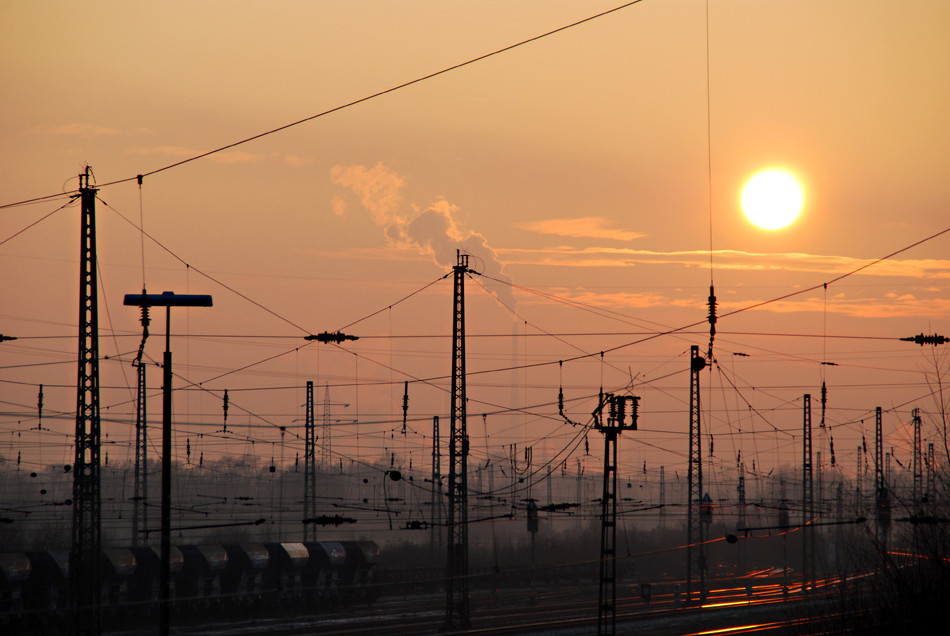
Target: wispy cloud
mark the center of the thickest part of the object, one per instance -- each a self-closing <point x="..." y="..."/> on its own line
<point x="297" y="162"/>
<point x="239" y="156"/>
<point x="829" y="265"/>
<point x="168" y="151"/>
<point x="83" y="131"/>
<point x="584" y="227"/>
<point x="857" y="307"/>
<point x="182" y="152"/>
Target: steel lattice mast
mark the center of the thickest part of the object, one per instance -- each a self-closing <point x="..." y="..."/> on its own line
<point x="436" y="482"/>
<point x="617" y="421"/>
<point x="309" y="470"/>
<point x="695" y="549"/>
<point x="140" y="498"/>
<point x="808" y="498"/>
<point x="325" y="454"/>
<point x="456" y="600"/>
<point x="881" y="494"/>
<point x="931" y="474"/>
<point x="918" y="465"/>
<point x="86" y="532"/>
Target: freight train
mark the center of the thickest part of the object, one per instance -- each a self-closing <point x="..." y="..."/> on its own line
<point x="232" y="581"/>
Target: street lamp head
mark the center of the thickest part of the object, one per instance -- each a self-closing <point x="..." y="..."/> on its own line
<point x="168" y="299"/>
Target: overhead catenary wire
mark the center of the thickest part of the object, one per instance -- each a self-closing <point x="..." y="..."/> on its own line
<point x="202" y="273"/>
<point x="618" y="347"/>
<point x="38" y="221"/>
<point x="139" y="177"/>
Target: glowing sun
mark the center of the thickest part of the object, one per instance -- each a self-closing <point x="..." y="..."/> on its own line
<point x="772" y="199"/>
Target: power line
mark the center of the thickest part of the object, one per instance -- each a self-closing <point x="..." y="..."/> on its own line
<point x="208" y="276"/>
<point x="48" y="197"/>
<point x="38" y="221"/>
<point x="356" y="102"/>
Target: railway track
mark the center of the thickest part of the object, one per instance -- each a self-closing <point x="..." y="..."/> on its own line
<point x="765" y="608"/>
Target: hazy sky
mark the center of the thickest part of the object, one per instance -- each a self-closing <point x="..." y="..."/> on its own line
<point x="577" y="166"/>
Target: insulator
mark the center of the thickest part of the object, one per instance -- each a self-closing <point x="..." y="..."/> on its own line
<point x="922" y="339"/>
<point x="405" y="406"/>
<point x="335" y="337"/>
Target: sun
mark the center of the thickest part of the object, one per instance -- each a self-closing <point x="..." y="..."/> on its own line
<point x="772" y="199"/>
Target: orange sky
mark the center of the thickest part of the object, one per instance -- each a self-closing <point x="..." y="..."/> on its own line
<point x="575" y="166"/>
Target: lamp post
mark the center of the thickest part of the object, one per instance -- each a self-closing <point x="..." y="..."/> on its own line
<point x="166" y="300"/>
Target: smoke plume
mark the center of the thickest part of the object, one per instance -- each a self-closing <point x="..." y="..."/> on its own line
<point x="434" y="230"/>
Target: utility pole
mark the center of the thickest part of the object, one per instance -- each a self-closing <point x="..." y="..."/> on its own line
<point x="621" y="416"/>
<point x="550" y="485"/>
<point x="84" y="571"/>
<point x="309" y="470"/>
<point x="166" y="300"/>
<point x="140" y="498"/>
<point x="662" y="498"/>
<point x="783" y="522"/>
<point x="808" y="500"/>
<point x="858" y="478"/>
<point x="140" y="490"/>
<point x="457" y="601"/>
<point x="741" y="522"/>
<point x="918" y="465"/>
<point x="881" y="494"/>
<point x="839" y="517"/>
<point x="325" y="449"/>
<point x="695" y="548"/>
<point x="436" y="482"/>
<point x="931" y="474"/>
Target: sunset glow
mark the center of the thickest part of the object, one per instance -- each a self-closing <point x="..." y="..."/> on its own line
<point x="772" y="199"/>
<point x="448" y="244"/>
